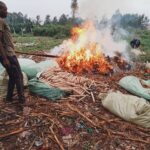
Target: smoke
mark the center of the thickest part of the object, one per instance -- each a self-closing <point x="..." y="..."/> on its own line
<point x="113" y="43"/>
<point x="98" y="8"/>
<point x="109" y="40"/>
<point x="105" y="42"/>
<point x="103" y="9"/>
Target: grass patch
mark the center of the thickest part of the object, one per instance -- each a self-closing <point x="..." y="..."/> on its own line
<point x="145" y="39"/>
<point x="31" y="43"/>
<point x="144" y="36"/>
<point x="146" y="57"/>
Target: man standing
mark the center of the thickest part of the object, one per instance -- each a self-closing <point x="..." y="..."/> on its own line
<point x="8" y="58"/>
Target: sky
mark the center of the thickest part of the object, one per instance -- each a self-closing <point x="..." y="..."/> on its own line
<point x="87" y="8"/>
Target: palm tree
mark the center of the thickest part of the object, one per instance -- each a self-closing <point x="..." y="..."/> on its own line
<point x="74" y="7"/>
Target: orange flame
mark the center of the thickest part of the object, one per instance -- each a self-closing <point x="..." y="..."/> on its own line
<point x="83" y="54"/>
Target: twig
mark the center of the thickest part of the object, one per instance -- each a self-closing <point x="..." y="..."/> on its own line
<point x="93" y="98"/>
<point x="126" y="137"/>
<point x="91" y="84"/>
<point x="13" y="133"/>
<point x="144" y="130"/>
<point x="52" y="138"/>
<point x="11" y="123"/>
<point x="108" y="121"/>
<point x="57" y="140"/>
<point x="85" y="90"/>
<point x="77" y="95"/>
<point x="80" y="113"/>
<point x="32" y="144"/>
<point x="82" y="98"/>
<point x="51" y="119"/>
<point x="136" y="140"/>
<point x="20" y="130"/>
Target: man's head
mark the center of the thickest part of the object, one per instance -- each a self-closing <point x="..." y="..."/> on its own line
<point x="3" y="10"/>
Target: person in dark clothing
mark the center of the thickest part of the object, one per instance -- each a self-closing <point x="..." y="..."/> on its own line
<point x="135" y="43"/>
<point x="8" y="58"/>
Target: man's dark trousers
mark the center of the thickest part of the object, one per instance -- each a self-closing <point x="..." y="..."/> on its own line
<point x="15" y="78"/>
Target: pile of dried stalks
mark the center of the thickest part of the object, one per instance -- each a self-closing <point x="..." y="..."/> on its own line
<point x="78" y="85"/>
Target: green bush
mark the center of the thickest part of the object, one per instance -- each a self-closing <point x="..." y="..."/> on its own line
<point x="52" y="31"/>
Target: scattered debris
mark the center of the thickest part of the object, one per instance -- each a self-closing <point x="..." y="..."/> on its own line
<point x="75" y="122"/>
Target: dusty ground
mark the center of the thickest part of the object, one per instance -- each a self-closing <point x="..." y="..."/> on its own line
<point x="70" y="123"/>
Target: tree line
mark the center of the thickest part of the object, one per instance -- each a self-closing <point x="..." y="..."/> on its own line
<point x="22" y="24"/>
<point x="54" y="27"/>
<point x="127" y="21"/>
<point x="60" y="27"/>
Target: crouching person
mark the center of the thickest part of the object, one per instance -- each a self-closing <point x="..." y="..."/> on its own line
<point x="8" y="58"/>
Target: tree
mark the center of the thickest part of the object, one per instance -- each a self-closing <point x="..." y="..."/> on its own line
<point x="19" y="23"/>
<point x="116" y="18"/>
<point x="103" y="22"/>
<point x="55" y="20"/>
<point x="38" y="20"/>
<point x="63" y="19"/>
<point x="47" y="20"/>
<point x="74" y="7"/>
<point x="143" y="21"/>
<point x="128" y="21"/>
<point x="29" y="26"/>
<point x="134" y="21"/>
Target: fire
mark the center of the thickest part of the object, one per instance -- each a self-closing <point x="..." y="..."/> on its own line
<point x="83" y="53"/>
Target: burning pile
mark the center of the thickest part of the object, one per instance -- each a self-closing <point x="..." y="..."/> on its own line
<point x="83" y="53"/>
